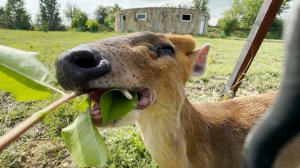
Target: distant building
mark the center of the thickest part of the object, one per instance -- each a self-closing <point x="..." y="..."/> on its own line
<point x="163" y="19"/>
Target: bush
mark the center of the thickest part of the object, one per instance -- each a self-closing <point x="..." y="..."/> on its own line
<point x="37" y="27"/>
<point x="92" y="25"/>
<point x="275" y="31"/>
<point x="228" y="25"/>
<point x="45" y="27"/>
<point x="104" y="28"/>
<point x="79" y="20"/>
<point x="214" y="32"/>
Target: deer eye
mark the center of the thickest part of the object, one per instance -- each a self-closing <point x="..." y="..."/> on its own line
<point x="165" y="50"/>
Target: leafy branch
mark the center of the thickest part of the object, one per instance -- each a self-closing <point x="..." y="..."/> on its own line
<point x="27" y="79"/>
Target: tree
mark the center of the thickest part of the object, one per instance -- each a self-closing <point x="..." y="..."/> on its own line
<point x="251" y="9"/>
<point x="49" y="15"/>
<point x="79" y="21"/>
<point x="78" y="18"/>
<point x="15" y="15"/>
<point x="247" y="10"/>
<point x="106" y="16"/>
<point x="285" y="6"/>
<point x="245" y="13"/>
<point x="229" y="23"/>
<point x="201" y="5"/>
<point x="110" y="19"/>
<point x="101" y="13"/>
<point x="71" y="10"/>
<point x="2" y="17"/>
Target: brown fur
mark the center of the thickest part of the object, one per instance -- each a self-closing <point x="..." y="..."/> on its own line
<point x="178" y="133"/>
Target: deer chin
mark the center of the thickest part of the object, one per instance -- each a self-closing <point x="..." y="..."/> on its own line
<point x="145" y="99"/>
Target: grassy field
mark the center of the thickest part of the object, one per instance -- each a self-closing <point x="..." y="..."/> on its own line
<point x="42" y="145"/>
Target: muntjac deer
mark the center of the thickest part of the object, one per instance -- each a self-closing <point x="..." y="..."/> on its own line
<point x="177" y="133"/>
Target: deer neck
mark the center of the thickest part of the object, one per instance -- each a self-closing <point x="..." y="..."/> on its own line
<point x="168" y="133"/>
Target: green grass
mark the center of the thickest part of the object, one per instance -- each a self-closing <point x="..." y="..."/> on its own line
<point x="42" y="145"/>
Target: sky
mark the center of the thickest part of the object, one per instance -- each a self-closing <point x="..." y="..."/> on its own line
<point x="217" y="7"/>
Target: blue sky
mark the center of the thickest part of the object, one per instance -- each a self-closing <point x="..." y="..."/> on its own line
<point x="217" y="7"/>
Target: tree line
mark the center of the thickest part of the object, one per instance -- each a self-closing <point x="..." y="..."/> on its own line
<point x="242" y="14"/>
<point x="13" y="15"/>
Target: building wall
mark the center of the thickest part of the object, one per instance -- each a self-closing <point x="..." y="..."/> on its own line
<point x="164" y="20"/>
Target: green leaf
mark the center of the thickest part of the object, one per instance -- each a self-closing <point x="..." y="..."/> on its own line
<point x="82" y="106"/>
<point x="84" y="142"/>
<point x="23" y="75"/>
<point x="114" y="104"/>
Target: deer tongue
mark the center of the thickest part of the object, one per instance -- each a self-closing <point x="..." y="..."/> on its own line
<point x="146" y="98"/>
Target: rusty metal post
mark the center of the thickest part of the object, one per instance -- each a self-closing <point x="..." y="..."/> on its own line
<point x="257" y="34"/>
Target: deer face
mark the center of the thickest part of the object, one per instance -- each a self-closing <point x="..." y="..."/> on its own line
<point x="156" y="66"/>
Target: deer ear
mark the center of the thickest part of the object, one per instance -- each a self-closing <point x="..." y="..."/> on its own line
<point x="200" y="61"/>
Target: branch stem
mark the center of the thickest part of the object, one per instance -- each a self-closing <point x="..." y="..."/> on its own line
<point x="17" y="131"/>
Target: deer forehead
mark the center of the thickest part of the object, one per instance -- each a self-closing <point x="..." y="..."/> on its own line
<point x="135" y="55"/>
<point x="183" y="43"/>
<point x="140" y="48"/>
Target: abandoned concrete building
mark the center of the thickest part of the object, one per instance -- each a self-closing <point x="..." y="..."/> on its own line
<point x="162" y="19"/>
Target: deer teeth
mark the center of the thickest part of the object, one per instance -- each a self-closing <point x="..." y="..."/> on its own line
<point x="126" y="94"/>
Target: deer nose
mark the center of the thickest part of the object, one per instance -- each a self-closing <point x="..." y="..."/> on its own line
<point x="77" y="66"/>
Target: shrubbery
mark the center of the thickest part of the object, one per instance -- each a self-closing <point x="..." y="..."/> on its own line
<point x="105" y="18"/>
<point x="92" y="25"/>
<point x="79" y="21"/>
<point x="228" y="25"/>
<point x="243" y="13"/>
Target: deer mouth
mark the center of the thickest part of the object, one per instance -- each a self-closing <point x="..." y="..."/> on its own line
<point x="145" y="99"/>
